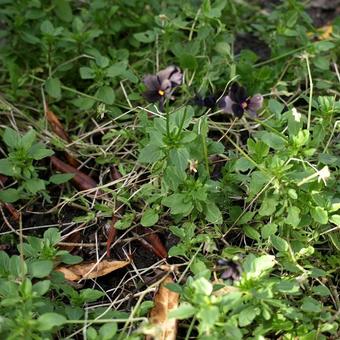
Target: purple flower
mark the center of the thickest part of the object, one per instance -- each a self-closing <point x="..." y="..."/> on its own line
<point x="161" y="85"/>
<point x="237" y="101"/>
<point x="232" y="270"/>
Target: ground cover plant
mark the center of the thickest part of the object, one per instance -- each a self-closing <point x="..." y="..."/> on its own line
<point x="169" y="170"/>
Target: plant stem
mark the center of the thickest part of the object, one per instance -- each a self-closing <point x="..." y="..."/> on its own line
<point x="310" y="92"/>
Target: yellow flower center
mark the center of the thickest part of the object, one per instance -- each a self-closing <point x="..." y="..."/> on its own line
<point x="244" y="105"/>
<point x="161" y="92"/>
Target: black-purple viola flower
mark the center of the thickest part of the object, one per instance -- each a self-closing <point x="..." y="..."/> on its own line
<point x="237" y="102"/>
<point x="161" y="85"/>
<point x="232" y="270"/>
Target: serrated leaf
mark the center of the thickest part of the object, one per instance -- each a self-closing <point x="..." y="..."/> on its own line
<point x="86" y="73"/>
<point x="11" y="137"/>
<point x="319" y="215"/>
<point x="10" y="195"/>
<point x="63" y="10"/>
<point x="6" y="167"/>
<point x="53" y="87"/>
<point x="61" y="178"/>
<point x="279" y="243"/>
<point x="184" y="311"/>
<point x="106" y="94"/>
<point x="293" y="217"/>
<point x="40" y="268"/>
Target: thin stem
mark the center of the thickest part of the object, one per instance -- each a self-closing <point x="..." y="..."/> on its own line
<point x="310" y="92"/>
<point x="268" y="61"/>
<point x="187" y="336"/>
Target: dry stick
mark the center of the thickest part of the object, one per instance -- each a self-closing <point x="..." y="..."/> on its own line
<point x="83" y="181"/>
<point x="58" y="129"/>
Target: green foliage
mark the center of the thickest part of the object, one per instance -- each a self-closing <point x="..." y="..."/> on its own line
<point x="261" y="191"/>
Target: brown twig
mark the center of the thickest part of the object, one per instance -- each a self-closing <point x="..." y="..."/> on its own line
<point x="83" y="181"/>
<point x="59" y="130"/>
<point x="153" y="242"/>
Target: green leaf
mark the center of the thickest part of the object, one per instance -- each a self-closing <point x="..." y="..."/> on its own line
<point x="28" y="139"/>
<point x="321" y="290"/>
<point x="251" y="233"/>
<point x="6" y="167"/>
<point x="279" y="243"/>
<point x="41" y="287"/>
<point x="61" y="178"/>
<point x="188" y="61"/>
<point x="40" y="268"/>
<point x="10" y="195"/>
<point x="178" y="204"/>
<point x="184" y="311"/>
<point x="149" y="218"/>
<point x="213" y="213"/>
<point x="52" y="235"/>
<point x="49" y="320"/>
<point x="319" y="215"/>
<point x="47" y="27"/>
<point x="273" y="140"/>
<point x="38" y="151"/>
<point x="275" y="106"/>
<point x="108" y="331"/>
<point x="11" y="137"/>
<point x="324" y="45"/>
<point x="145" y="37"/>
<point x="243" y="164"/>
<point x="115" y="70"/>
<point x="268" y="206"/>
<point x="311" y="305"/>
<point x="34" y="185"/>
<point x="223" y="48"/>
<point x="106" y="94"/>
<point x="208" y="316"/>
<point x="83" y="103"/>
<point x="86" y="73"/>
<point x="335" y="219"/>
<point x="53" y="87"/>
<point x="179" y="158"/>
<point x="247" y="315"/>
<point x="254" y="267"/>
<point x="150" y="154"/>
<point x="268" y="230"/>
<point x="293" y="217"/>
<point x="90" y="295"/>
<point x="63" y="10"/>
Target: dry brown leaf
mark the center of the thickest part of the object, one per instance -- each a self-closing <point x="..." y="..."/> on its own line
<point x="326" y="32"/>
<point x="165" y="300"/>
<point x="91" y="270"/>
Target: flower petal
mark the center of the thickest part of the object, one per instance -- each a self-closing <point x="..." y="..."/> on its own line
<point x="237" y="93"/>
<point x="226" y="104"/>
<point x="166" y="86"/>
<point x="152" y="96"/>
<point x="151" y="82"/>
<point x="255" y="103"/>
<point x="237" y="110"/>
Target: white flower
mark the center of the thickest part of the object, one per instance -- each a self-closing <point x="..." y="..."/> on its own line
<point x="324" y="174"/>
<point x="193" y="166"/>
<point x="296" y="114"/>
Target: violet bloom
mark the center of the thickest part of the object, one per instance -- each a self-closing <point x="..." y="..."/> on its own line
<point x="232" y="270"/>
<point x="237" y="102"/>
<point x="161" y="85"/>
